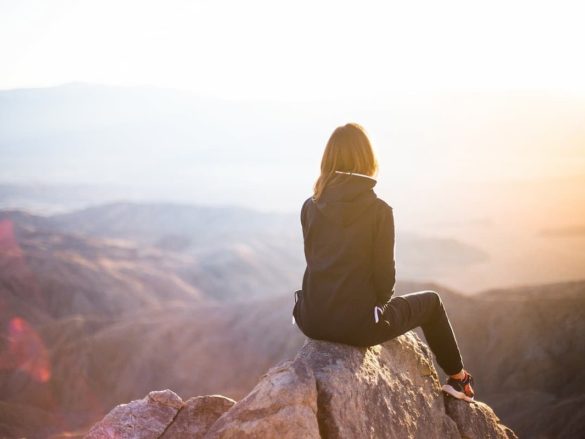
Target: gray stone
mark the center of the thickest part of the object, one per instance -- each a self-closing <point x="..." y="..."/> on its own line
<point x="476" y="420"/>
<point x="282" y="405"/>
<point x="197" y="415"/>
<point x="145" y="418"/>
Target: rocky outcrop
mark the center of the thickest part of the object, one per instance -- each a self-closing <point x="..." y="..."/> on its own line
<point x="484" y="420"/>
<point x="196" y="416"/>
<point x="145" y="418"/>
<point x="329" y="390"/>
<point x="162" y="414"/>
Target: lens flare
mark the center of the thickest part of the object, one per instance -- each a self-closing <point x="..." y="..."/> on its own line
<point x="26" y="351"/>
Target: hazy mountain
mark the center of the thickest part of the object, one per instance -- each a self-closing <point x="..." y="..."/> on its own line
<point x="233" y="252"/>
<point x="50" y="275"/>
<point x="245" y="255"/>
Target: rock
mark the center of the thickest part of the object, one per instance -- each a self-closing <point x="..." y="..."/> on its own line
<point x="283" y="404"/>
<point x="197" y="415"/>
<point x="485" y="424"/>
<point x="162" y="414"/>
<point x="145" y="418"/>
<point x="389" y="390"/>
<point x="329" y="390"/>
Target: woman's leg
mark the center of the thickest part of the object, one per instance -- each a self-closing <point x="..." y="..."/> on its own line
<point x="425" y="309"/>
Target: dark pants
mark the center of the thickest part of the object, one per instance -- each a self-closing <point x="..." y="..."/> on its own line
<point x="424" y="309"/>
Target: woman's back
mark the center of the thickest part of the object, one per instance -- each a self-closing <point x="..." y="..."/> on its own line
<point x="347" y="234"/>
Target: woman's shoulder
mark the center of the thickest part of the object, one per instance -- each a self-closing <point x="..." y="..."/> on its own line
<point x="383" y="206"/>
<point x="384" y="213"/>
<point x="307" y="202"/>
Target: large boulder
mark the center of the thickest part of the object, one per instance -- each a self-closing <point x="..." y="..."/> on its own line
<point x="161" y="414"/>
<point x="328" y="390"/>
<point x="145" y="418"/>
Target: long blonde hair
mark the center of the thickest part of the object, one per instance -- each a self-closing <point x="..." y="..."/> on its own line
<point x="348" y="150"/>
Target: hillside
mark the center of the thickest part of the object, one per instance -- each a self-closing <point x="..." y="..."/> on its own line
<point x="230" y="252"/>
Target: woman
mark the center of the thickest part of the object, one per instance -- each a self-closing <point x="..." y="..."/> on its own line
<point x="347" y="293"/>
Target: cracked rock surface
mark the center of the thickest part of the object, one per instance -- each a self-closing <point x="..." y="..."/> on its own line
<point x="329" y="390"/>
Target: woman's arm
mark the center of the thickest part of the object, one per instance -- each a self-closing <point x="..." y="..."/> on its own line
<point x="383" y="261"/>
<point x="304" y="217"/>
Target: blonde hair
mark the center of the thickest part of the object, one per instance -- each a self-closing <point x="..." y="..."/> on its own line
<point x="348" y="150"/>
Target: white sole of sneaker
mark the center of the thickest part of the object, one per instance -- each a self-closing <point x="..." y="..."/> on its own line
<point x="456" y="394"/>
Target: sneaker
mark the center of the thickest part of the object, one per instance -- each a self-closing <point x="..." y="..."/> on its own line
<point x="460" y="389"/>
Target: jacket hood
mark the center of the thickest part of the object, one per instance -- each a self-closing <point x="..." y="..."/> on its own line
<point x="347" y="197"/>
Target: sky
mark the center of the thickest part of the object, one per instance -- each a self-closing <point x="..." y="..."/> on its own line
<point x="451" y="90"/>
<point x="295" y="50"/>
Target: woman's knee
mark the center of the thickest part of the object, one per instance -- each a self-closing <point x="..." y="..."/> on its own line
<point x="435" y="298"/>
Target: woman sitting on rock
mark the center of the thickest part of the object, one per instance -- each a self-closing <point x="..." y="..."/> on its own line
<point x="347" y="293"/>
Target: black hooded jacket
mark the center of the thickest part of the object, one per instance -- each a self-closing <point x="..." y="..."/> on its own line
<point x="349" y="248"/>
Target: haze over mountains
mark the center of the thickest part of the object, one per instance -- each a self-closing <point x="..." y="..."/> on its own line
<point x="490" y="172"/>
<point x="223" y="252"/>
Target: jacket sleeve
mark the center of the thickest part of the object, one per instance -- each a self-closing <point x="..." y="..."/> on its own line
<point x="383" y="260"/>
<point x="303" y="217"/>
